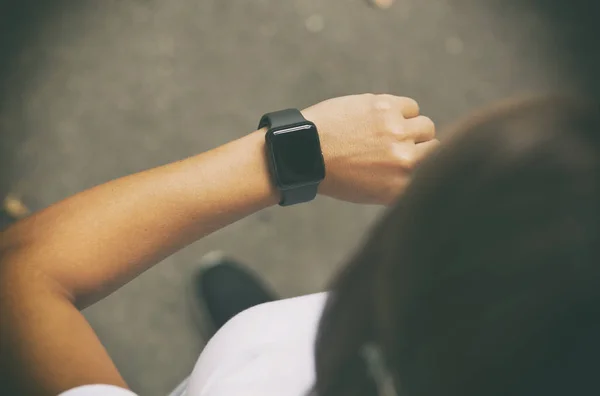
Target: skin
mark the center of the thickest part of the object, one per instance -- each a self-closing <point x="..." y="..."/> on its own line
<point x="79" y="250"/>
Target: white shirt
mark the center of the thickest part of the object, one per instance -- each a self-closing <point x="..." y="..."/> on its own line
<point x="267" y="350"/>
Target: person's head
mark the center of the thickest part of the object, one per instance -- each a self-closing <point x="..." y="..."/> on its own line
<point x="484" y="278"/>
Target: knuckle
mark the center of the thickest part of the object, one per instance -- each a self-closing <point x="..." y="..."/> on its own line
<point x="381" y="103"/>
<point x="408" y="160"/>
<point x="393" y="126"/>
<point x="368" y="96"/>
<point x="411" y="103"/>
<point x="409" y="100"/>
<point x="405" y="105"/>
<point x="427" y="122"/>
<point x="428" y="125"/>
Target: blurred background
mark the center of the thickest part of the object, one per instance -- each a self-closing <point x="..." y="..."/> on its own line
<point x="91" y="90"/>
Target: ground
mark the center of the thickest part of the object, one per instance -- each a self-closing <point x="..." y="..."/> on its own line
<point x="94" y="90"/>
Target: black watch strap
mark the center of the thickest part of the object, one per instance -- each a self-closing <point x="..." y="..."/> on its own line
<point x="299" y="195"/>
<point x="280" y="119"/>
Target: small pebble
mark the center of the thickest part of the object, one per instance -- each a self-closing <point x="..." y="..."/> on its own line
<point x="15" y="208"/>
<point x="315" y="23"/>
<point x="383" y="4"/>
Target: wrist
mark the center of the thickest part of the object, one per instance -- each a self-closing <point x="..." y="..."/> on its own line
<point x="266" y="192"/>
<point x="311" y="115"/>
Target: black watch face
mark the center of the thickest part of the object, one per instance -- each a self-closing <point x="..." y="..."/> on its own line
<point x="297" y="156"/>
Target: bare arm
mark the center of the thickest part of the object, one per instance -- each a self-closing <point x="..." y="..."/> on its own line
<point x="85" y="247"/>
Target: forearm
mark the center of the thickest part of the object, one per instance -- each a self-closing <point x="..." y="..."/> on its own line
<point x="83" y="248"/>
<point x="94" y="242"/>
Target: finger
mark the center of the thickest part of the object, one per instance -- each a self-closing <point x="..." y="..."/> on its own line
<point x="408" y="107"/>
<point x="424" y="150"/>
<point x="421" y="129"/>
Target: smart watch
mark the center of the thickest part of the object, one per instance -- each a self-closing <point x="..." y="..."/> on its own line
<point x="294" y="155"/>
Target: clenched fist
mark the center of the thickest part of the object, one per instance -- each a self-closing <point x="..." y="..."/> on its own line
<point x="371" y="144"/>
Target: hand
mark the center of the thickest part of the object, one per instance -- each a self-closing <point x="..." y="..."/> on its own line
<point x="371" y="144"/>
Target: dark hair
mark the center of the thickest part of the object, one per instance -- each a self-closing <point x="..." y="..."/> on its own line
<point x="484" y="278"/>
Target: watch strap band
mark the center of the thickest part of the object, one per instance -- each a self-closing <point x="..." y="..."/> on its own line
<point x="289" y="117"/>
<point x="281" y="118"/>
<point x="299" y="195"/>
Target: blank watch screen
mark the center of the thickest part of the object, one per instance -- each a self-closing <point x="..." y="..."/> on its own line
<point x="297" y="156"/>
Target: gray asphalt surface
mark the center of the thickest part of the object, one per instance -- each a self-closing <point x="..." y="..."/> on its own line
<point x="94" y="90"/>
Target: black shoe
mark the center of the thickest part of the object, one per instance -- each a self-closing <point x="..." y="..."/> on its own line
<point x="222" y="288"/>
